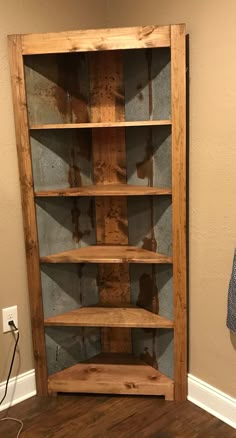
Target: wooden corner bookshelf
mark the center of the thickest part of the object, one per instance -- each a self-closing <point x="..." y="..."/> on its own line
<point x="100" y="132"/>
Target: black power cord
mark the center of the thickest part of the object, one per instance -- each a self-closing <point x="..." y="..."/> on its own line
<point x="14" y="328"/>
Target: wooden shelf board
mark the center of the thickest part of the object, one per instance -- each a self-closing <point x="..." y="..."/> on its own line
<point x="100" y="124"/>
<point x="112" y="373"/>
<point x="95" y="316"/>
<point x="107" y="254"/>
<point x="105" y="190"/>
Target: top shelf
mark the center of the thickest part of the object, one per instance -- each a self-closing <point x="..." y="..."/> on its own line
<point x="100" y="125"/>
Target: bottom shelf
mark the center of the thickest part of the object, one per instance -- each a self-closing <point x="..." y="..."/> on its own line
<point x="112" y="374"/>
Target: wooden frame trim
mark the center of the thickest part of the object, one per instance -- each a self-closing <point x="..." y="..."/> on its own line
<point x="97" y="39"/>
<point x="178" y="93"/>
<point x="28" y="209"/>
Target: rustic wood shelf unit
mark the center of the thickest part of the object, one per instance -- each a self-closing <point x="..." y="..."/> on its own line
<point x="100" y="130"/>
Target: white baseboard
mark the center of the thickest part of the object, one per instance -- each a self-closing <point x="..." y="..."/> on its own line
<point x="19" y="388"/>
<point x="212" y="400"/>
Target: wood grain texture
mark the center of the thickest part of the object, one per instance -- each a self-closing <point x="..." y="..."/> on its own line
<point x="106" y="87"/>
<point x="28" y="209"/>
<point x="97" y="39"/>
<point x="90" y="416"/>
<point x="109" y="317"/>
<point x="111" y="124"/>
<point x="109" y="164"/>
<point x="125" y="375"/>
<point x="109" y="158"/>
<point x="178" y="89"/>
<point x="105" y="190"/>
<point x="107" y="254"/>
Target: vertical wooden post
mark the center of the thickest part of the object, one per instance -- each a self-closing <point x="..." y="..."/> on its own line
<point x="109" y="161"/>
<point x="28" y="208"/>
<point x="178" y="90"/>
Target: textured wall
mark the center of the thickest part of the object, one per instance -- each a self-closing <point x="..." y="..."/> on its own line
<point x="24" y="16"/>
<point x="212" y="174"/>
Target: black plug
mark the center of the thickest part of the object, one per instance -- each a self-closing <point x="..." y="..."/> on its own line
<point x="12" y="324"/>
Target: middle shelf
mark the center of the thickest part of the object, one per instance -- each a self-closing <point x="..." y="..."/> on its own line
<point x="104" y="190"/>
<point x="107" y="254"/>
<point x="128" y="316"/>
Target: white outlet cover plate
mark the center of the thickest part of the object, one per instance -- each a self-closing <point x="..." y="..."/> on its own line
<point x="8" y="314"/>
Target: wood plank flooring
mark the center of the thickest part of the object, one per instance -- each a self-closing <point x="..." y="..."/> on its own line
<point x="83" y="416"/>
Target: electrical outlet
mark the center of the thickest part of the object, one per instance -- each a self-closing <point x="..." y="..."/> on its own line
<point x="9" y="314"/>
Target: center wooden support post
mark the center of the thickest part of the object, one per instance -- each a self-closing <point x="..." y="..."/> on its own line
<point x="109" y="160"/>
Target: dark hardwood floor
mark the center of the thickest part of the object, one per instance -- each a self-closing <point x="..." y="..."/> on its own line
<point x="90" y="416"/>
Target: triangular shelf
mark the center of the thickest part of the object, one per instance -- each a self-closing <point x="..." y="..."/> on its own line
<point x="112" y="373"/>
<point x="104" y="190"/>
<point x="107" y="254"/>
<point x="110" y="317"/>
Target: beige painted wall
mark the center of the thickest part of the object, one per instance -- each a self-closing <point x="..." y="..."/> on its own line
<point x="212" y="164"/>
<point x="24" y="16"/>
<point x="212" y="196"/>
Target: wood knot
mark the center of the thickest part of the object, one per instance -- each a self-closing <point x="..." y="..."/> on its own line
<point x="18" y="79"/>
<point x="36" y="355"/>
<point x="93" y="369"/>
<point x="26" y="185"/>
<point x="73" y="48"/>
<point x="30" y="245"/>
<point x="144" y="32"/>
<point x="101" y="46"/>
<point x="153" y="377"/>
<point x="130" y="385"/>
